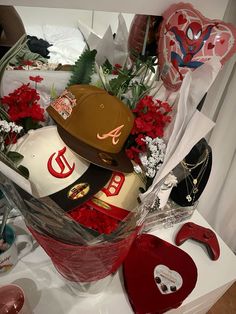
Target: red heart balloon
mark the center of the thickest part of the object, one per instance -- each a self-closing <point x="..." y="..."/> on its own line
<point x="197" y="40"/>
<point x="158" y="276"/>
<point x="181" y="19"/>
<point x="210" y="46"/>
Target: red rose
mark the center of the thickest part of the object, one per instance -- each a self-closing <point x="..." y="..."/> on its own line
<point x="23" y="103"/>
<point x="91" y="218"/>
<point x="151" y="118"/>
<point x="36" y="79"/>
<point x="116" y="68"/>
<point x="27" y="62"/>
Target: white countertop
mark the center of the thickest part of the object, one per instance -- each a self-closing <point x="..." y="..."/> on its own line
<point x="47" y="292"/>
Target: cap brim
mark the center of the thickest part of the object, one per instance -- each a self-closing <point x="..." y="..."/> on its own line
<point x="91" y="182"/>
<point x="115" y="162"/>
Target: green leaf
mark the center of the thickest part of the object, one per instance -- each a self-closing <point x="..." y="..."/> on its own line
<point x="24" y="171"/>
<point x="107" y="66"/>
<point x="53" y="92"/>
<point x="3" y="114"/>
<point x="6" y="160"/>
<point x="14" y="156"/>
<point x="30" y="124"/>
<point x="120" y="84"/>
<point x="83" y="68"/>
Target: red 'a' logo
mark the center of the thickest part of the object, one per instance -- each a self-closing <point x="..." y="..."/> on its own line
<point x="65" y="169"/>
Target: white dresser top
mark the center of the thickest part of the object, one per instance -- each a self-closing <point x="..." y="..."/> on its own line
<point x="47" y="293"/>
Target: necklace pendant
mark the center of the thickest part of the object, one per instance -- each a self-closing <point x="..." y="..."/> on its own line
<point x="189" y="198"/>
<point x="194" y="181"/>
<point x="195" y="190"/>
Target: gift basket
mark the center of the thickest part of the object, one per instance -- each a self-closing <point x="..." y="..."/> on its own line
<point x="90" y="156"/>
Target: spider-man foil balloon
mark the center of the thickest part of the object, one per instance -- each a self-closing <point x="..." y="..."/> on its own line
<point x="187" y="40"/>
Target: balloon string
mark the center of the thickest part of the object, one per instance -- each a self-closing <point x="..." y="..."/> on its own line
<point x="156" y="91"/>
<point x="168" y="93"/>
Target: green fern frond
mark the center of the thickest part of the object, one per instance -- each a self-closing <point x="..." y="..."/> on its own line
<point x="83" y="68"/>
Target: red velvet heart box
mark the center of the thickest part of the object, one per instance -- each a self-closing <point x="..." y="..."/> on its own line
<point x="158" y="276"/>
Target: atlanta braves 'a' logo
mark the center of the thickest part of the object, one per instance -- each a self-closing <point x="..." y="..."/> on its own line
<point x="65" y="168"/>
<point x="113" y="133"/>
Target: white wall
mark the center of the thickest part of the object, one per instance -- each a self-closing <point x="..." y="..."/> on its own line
<point x="55" y="16"/>
<point x="210" y="8"/>
<point x="67" y="13"/>
<point x="97" y="20"/>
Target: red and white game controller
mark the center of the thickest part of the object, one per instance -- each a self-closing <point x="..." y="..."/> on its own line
<point x="200" y="234"/>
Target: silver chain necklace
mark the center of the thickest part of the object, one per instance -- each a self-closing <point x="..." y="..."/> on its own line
<point x="192" y="181"/>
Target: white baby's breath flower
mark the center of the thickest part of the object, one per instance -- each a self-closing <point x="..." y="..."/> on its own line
<point x="151" y="172"/>
<point x="154" y="157"/>
<point x="6" y="130"/>
<point x="7" y="127"/>
<point x="143" y="159"/>
<point x="171" y="180"/>
<point x="17" y="129"/>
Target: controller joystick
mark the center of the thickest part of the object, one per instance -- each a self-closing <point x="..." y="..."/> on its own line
<point x="200" y="234"/>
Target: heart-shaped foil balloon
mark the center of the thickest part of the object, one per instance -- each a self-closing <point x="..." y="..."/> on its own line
<point x="158" y="276"/>
<point x="187" y="40"/>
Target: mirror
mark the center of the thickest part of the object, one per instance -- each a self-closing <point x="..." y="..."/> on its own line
<point x="97" y="20"/>
<point x="61" y="27"/>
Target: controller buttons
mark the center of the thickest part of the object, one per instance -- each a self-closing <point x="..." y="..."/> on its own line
<point x="207" y="234"/>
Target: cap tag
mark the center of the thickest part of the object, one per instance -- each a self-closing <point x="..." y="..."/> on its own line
<point x="113" y="133"/>
<point x="62" y="163"/>
<point x="78" y="191"/>
<point x="64" y="104"/>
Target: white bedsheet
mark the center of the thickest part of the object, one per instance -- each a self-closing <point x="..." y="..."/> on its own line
<point x="67" y="42"/>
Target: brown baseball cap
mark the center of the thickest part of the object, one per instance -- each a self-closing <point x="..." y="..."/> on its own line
<point x="95" y="125"/>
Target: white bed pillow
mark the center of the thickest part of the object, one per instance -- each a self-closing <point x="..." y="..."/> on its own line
<point x="66" y="51"/>
<point x="67" y="43"/>
<point x="35" y="30"/>
<point x="53" y="33"/>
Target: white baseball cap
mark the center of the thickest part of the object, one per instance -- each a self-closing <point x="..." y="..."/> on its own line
<point x="56" y="171"/>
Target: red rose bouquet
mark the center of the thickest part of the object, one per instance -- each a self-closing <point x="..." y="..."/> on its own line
<point x="22" y="105"/>
<point x="151" y="117"/>
<point x="20" y="112"/>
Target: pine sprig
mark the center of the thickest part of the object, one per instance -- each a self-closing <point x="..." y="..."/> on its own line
<point x="83" y="68"/>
